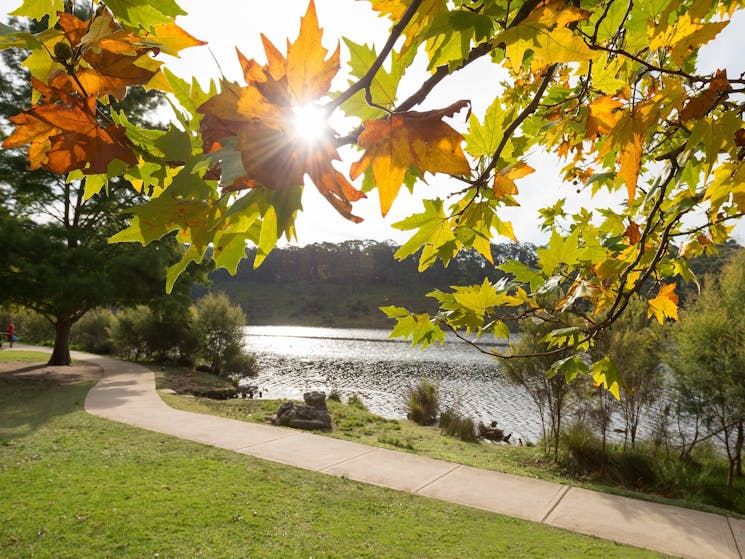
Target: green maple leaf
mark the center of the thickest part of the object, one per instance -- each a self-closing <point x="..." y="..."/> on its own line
<point x="483" y="139"/>
<point x="433" y="234"/>
<point x="384" y="85"/>
<point x="38" y="9"/>
<point x="560" y="251"/>
<point x="605" y="374"/>
<point x="419" y="328"/>
<point x="523" y="273"/>
<point x="146" y="13"/>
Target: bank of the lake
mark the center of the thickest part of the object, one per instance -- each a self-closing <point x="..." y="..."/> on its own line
<point x="379" y="370"/>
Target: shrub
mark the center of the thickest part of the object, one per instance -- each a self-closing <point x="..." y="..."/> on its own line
<point x="423" y="402"/>
<point x="355" y="401"/>
<point x="92" y="332"/>
<point x="128" y="332"/>
<point x="169" y="336"/>
<point x="241" y="365"/>
<point x="334" y="395"/>
<point x="219" y="326"/>
<point x="583" y="450"/>
<point x="455" y="425"/>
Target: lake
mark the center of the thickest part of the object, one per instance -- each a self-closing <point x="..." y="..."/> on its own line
<point x="365" y="362"/>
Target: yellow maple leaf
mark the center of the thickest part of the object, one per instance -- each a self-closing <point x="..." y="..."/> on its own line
<point x="504" y="180"/>
<point x="665" y="305"/>
<point x="309" y="73"/>
<point x="601" y="118"/>
<point x="410" y="139"/>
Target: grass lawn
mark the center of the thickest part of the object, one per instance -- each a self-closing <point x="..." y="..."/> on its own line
<point x="76" y="486"/>
<point x="23" y="356"/>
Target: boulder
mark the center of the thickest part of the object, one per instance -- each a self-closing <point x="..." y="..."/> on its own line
<point x="316" y="399"/>
<point x="311" y="417"/>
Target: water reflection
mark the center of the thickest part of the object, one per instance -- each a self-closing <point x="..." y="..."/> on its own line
<point x="364" y="361"/>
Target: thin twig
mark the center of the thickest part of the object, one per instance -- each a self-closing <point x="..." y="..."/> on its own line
<point x="365" y="81"/>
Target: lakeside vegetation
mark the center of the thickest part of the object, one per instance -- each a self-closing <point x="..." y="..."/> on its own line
<point x="73" y="485"/>
<point x="699" y="484"/>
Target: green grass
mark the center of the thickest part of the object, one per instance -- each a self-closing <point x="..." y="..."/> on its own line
<point x="23" y="356"/>
<point x="76" y="486"/>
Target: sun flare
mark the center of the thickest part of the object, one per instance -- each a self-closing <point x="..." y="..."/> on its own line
<point x="310" y="123"/>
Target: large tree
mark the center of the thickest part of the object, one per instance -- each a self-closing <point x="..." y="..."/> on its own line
<point x="56" y="258"/>
<point x="610" y="87"/>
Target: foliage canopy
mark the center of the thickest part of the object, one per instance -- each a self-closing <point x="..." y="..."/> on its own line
<point x="610" y="87"/>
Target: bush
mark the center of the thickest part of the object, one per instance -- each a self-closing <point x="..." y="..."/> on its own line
<point x="92" y="332"/>
<point x="455" y="425"/>
<point x="355" y="401"/>
<point x="423" y="403"/>
<point x="241" y="365"/>
<point x="334" y="395"/>
<point x="219" y="326"/>
<point x="583" y="450"/>
<point x="169" y="336"/>
<point x="128" y="333"/>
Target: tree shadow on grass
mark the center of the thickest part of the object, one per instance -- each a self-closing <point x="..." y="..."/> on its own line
<point x="28" y="403"/>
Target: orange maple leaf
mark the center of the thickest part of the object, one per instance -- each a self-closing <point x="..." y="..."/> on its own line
<point x="113" y="57"/>
<point x="258" y="119"/>
<point x="504" y="180"/>
<point x="65" y="136"/>
<point x="633" y="233"/>
<point x="716" y="91"/>
<point x="410" y="139"/>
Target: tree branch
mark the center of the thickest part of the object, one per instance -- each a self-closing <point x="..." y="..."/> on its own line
<point x="365" y="81"/>
<point x="513" y="126"/>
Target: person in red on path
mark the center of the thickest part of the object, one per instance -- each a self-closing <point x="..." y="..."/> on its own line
<point x="11" y="332"/>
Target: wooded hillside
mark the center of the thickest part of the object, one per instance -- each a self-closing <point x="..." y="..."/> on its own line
<point x="343" y="285"/>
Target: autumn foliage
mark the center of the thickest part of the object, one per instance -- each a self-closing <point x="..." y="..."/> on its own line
<point x="611" y="89"/>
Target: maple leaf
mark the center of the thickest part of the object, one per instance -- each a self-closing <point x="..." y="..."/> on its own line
<point x="630" y="154"/>
<point x="665" y="305"/>
<point x="601" y="118"/>
<point x="410" y="139"/>
<point x="504" y="180"/>
<point x="258" y="119"/>
<point x="309" y="75"/>
<point x="740" y="137"/>
<point x="65" y="137"/>
<point x="716" y="91"/>
<point x="424" y="17"/>
<point x="632" y="233"/>
<point x="545" y="34"/>
<point x="606" y="374"/>
<point x="102" y="58"/>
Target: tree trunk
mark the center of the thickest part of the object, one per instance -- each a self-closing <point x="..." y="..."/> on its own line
<point x="61" y="351"/>
<point x="731" y="473"/>
<point x="738" y="448"/>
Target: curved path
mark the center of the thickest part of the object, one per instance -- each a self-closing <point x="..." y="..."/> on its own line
<point x="127" y="394"/>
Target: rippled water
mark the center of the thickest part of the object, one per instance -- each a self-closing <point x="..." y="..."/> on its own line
<point x="294" y="360"/>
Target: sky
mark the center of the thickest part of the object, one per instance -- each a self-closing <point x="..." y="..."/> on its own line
<point x="227" y="24"/>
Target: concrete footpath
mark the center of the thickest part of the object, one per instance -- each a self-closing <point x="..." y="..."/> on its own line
<point x="127" y="394"/>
